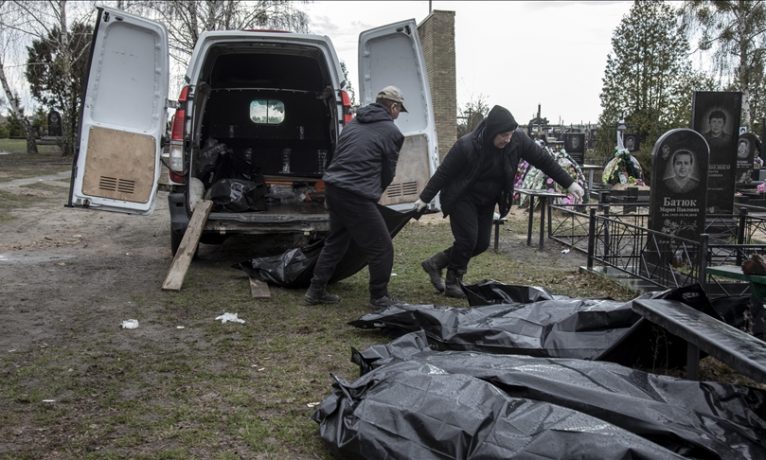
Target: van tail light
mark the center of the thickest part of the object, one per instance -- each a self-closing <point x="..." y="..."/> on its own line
<point x="176" y="148"/>
<point x="346" y="101"/>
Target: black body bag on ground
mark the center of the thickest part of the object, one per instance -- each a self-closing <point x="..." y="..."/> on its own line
<point x="415" y="402"/>
<point x="530" y="320"/>
<point x="294" y="267"/>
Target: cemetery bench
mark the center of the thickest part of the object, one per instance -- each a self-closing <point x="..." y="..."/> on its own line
<point x="543" y="195"/>
<point x="757" y="282"/>
<point x="739" y="350"/>
<point x="757" y="294"/>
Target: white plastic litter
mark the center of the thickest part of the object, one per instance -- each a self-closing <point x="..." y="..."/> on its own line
<point x="565" y="251"/>
<point x="230" y="317"/>
<point x="130" y="324"/>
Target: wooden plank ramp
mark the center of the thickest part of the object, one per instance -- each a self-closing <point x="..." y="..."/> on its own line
<point x="175" y="277"/>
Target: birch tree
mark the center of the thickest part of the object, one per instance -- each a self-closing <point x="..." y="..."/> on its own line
<point x="735" y="32"/>
<point x="12" y="23"/>
<point x="48" y="21"/>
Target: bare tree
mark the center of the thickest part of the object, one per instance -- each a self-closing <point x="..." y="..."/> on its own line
<point x="472" y="113"/>
<point x="186" y="20"/>
<point x="22" y="22"/>
<point x="11" y="26"/>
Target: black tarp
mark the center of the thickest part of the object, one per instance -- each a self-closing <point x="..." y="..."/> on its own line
<point x="414" y="402"/>
<point x="533" y="322"/>
<point x="293" y="268"/>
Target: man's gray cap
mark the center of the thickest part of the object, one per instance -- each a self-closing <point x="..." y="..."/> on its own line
<point x="392" y="93"/>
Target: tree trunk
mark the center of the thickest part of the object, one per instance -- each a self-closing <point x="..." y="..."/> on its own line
<point x="15" y="107"/>
<point x="31" y="141"/>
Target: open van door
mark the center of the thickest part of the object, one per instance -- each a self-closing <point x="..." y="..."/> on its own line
<point x="392" y="55"/>
<point x="117" y="164"/>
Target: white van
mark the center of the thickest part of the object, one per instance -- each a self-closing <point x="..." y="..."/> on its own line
<point x="256" y="123"/>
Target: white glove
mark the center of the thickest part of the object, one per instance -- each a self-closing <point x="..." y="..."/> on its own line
<point x="419" y="205"/>
<point x="576" y="190"/>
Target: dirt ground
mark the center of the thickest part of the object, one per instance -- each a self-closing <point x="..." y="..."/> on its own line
<point x="76" y="385"/>
<point x="69" y="270"/>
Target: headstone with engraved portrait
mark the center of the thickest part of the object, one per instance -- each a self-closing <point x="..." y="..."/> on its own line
<point x="748" y="145"/>
<point x="54" y="123"/>
<point x="716" y="115"/>
<point x="592" y="138"/>
<point x="679" y="182"/>
<point x="574" y="144"/>
<point x="677" y="200"/>
<point x="632" y="142"/>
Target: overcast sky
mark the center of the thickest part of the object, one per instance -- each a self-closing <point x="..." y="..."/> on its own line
<point x="512" y="53"/>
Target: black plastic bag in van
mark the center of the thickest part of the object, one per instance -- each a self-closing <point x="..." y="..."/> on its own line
<point x="294" y="267"/>
<point x="237" y="195"/>
<point x="415" y="402"/>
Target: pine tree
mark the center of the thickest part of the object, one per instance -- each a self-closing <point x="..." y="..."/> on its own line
<point x="645" y="72"/>
<point x="56" y="75"/>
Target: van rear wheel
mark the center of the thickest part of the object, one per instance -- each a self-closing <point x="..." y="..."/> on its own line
<point x="175" y="240"/>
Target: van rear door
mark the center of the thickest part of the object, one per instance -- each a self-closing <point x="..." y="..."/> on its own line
<point x="392" y="55"/>
<point x="117" y="165"/>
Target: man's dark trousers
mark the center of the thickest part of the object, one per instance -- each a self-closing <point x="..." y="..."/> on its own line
<point x="354" y="217"/>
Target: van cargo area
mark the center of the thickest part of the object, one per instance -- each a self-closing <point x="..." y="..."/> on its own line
<point x="264" y="127"/>
<point x="256" y="123"/>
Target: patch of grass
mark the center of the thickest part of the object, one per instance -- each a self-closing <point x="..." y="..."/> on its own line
<point x="20" y="146"/>
<point x="21" y="165"/>
<point x="221" y="391"/>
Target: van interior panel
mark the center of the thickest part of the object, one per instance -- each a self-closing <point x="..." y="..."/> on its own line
<point x="117" y="165"/>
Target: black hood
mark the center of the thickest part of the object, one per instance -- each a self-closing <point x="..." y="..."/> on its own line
<point x="499" y="121"/>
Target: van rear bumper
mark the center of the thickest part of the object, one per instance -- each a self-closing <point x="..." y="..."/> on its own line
<point x="262" y="223"/>
<point x="278" y="220"/>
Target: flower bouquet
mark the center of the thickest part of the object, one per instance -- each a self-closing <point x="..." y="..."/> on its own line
<point x="623" y="168"/>
<point x="534" y="179"/>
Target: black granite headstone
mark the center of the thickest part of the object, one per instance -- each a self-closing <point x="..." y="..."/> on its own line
<point x="716" y="115"/>
<point x="54" y="123"/>
<point x="679" y="182"/>
<point x="632" y="142"/>
<point x="748" y="146"/>
<point x="592" y="138"/>
<point x="574" y="144"/>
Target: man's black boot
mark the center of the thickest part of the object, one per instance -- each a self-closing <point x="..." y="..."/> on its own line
<point x="453" y="285"/>
<point x="317" y="295"/>
<point x="434" y="266"/>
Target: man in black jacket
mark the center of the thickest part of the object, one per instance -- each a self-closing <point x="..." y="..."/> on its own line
<point x="476" y="175"/>
<point x="363" y="166"/>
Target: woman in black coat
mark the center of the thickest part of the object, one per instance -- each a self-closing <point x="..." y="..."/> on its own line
<point x="476" y="175"/>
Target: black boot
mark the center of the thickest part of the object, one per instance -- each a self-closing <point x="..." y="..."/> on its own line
<point x="318" y="295"/>
<point x="434" y="266"/>
<point x="454" y="283"/>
